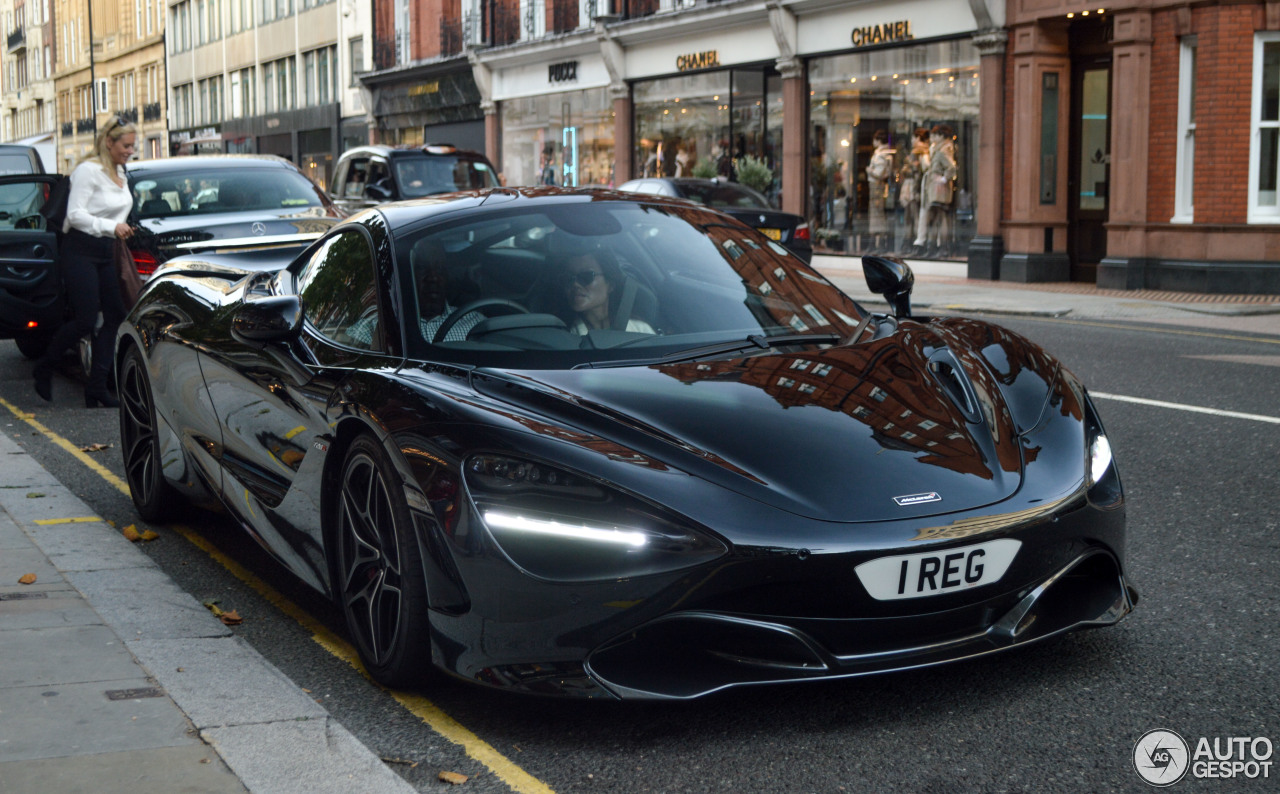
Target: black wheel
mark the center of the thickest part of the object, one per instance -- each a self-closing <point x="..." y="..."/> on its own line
<point x="32" y="345"/>
<point x="380" y="586"/>
<point x="154" y="497"/>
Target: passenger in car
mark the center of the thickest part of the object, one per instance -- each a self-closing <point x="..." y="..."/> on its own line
<point x="594" y="288"/>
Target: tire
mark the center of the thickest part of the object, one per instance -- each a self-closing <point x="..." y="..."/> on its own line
<point x="154" y="497"/>
<point x="32" y="345"/>
<point x="379" y="582"/>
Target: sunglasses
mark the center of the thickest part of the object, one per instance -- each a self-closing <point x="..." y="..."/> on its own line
<point x="583" y="278"/>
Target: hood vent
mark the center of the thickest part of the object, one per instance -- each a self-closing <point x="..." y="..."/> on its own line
<point x="946" y="370"/>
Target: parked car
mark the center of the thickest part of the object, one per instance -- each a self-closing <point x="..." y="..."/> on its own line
<point x="737" y="200"/>
<point x="370" y="175"/>
<point x="745" y="477"/>
<point x="192" y="200"/>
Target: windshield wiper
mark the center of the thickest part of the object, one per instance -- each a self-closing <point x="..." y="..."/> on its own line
<point x="753" y="341"/>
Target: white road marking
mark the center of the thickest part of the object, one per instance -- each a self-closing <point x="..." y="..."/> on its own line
<point x="1275" y="420"/>
<point x="1266" y="361"/>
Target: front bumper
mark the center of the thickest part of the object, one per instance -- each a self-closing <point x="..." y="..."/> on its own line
<point x="689" y="654"/>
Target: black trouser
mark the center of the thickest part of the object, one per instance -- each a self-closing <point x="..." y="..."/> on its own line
<point x="89" y="280"/>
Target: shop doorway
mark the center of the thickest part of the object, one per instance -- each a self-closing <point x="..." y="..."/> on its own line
<point x="1089" y="166"/>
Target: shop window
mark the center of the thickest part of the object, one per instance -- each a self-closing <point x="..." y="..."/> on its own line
<point x="1264" y="149"/>
<point x="924" y="98"/>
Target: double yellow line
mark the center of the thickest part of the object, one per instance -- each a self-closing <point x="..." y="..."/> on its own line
<point x="481" y="751"/>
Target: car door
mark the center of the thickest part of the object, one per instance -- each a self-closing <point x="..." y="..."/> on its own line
<point x="272" y="399"/>
<point x="30" y="293"/>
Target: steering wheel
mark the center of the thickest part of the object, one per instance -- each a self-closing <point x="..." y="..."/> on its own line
<point x="462" y="311"/>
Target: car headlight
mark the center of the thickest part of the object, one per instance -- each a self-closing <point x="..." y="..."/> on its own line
<point x="563" y="526"/>
<point x="1101" y="478"/>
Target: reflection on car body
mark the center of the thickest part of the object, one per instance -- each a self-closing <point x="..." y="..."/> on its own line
<point x="714" y="502"/>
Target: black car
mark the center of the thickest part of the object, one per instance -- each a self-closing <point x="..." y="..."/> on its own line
<point x="737" y="200"/>
<point x="744" y="477"/>
<point x="185" y="201"/>
<point x="31" y="306"/>
<point x="367" y="176"/>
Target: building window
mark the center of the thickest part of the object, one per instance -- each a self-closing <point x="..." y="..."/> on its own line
<point x="1184" y="187"/>
<point x="356" y="46"/>
<point x="1264" y="149"/>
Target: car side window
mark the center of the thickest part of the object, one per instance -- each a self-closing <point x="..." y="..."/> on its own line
<point x="20" y="204"/>
<point x="357" y="177"/>
<point x="339" y="292"/>
<point x="380" y="174"/>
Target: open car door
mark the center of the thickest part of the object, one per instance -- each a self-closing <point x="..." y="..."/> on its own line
<point x="30" y="290"/>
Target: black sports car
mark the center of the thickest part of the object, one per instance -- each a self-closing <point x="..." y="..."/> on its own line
<point x="727" y="473"/>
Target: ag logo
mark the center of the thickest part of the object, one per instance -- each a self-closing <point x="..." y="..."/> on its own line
<point x="1161" y="758"/>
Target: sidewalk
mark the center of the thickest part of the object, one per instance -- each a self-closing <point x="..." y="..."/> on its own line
<point x="943" y="288"/>
<point x="115" y="681"/>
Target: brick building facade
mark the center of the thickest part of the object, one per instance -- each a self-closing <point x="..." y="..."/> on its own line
<point x="1140" y="149"/>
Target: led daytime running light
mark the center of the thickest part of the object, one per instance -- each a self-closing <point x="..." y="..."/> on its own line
<point x="619" y="537"/>
<point x="1099" y="458"/>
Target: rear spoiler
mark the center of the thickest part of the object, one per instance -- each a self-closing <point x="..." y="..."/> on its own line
<point x="229" y="245"/>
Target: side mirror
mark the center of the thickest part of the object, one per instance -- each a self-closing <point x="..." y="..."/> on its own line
<point x="892" y="278"/>
<point x="274" y="319"/>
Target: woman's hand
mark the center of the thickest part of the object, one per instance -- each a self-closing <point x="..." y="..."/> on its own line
<point x="124" y="231"/>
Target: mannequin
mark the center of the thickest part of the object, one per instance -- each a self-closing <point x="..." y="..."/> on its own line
<point x="938" y="187"/>
<point x="909" y="179"/>
<point x="879" y="172"/>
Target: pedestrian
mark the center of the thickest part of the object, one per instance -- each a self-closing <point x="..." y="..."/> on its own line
<point x="98" y="205"/>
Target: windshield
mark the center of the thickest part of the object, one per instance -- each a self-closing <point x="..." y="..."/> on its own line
<point x="215" y="190"/>
<point x="432" y="174"/>
<point x="723" y="195"/>
<point x="592" y="282"/>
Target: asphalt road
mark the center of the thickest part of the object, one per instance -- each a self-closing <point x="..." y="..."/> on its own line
<point x="1197" y="657"/>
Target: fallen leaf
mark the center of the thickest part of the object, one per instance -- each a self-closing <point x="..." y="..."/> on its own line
<point x="403" y="761"/>
<point x="27" y="578"/>
<point x="131" y="533"/>
<point x="95" y="447"/>
<point x="212" y="606"/>
<point x="149" y="535"/>
<point x="453" y="777"/>
<point x="231" y="618"/>
<point x="34" y="495"/>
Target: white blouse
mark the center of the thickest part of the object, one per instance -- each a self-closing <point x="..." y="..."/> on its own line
<point x="96" y="204"/>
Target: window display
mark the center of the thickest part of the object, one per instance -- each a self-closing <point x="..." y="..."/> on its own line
<point x="893" y="136"/>
<point x="725" y="123"/>
<point x="558" y="139"/>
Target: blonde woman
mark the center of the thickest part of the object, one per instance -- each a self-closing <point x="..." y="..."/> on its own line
<point x="97" y="206"/>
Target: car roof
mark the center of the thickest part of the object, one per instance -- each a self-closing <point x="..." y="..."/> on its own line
<point x="195" y="162"/>
<point x="409" y="212"/>
<point x="396" y="152"/>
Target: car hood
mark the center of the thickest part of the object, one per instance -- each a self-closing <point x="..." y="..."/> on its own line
<point x="891" y="429"/>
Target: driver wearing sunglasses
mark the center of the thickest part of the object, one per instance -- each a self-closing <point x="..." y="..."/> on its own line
<point x="592" y="283"/>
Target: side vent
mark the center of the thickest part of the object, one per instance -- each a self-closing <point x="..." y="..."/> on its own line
<point x="946" y="370"/>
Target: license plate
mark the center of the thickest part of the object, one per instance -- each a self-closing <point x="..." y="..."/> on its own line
<point x="937" y="572"/>
<point x="772" y="234"/>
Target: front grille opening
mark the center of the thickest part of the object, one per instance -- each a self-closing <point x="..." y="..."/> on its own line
<point x="690" y="656"/>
